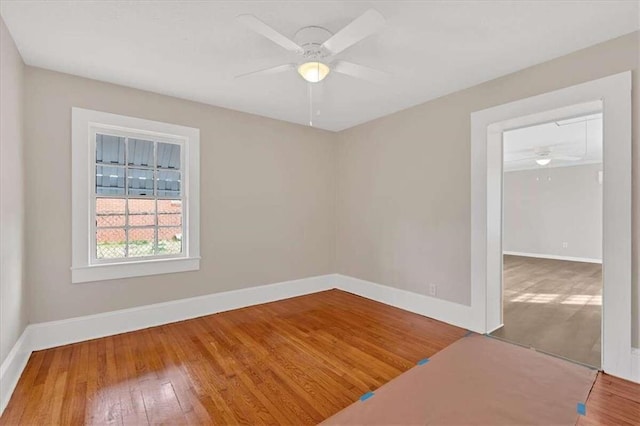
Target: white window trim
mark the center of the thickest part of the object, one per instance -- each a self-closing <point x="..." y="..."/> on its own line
<point x="84" y="122"/>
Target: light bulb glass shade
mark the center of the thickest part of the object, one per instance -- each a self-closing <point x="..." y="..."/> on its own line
<point x="543" y="161"/>
<point x="313" y="72"/>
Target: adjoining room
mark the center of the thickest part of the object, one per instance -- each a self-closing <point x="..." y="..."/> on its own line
<point x="552" y="237"/>
<point x="339" y="213"/>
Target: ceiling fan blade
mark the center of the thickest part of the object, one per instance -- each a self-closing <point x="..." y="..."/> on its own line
<point x="362" y="27"/>
<point x="566" y="157"/>
<point x="548" y="147"/>
<point x="360" y="71"/>
<point x="511" y="160"/>
<point x="551" y="157"/>
<point x="268" y="71"/>
<point x="519" y="151"/>
<point x="265" y="30"/>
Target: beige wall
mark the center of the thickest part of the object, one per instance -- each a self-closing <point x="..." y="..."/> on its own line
<point x="549" y="206"/>
<point x="13" y="303"/>
<point x="404" y="180"/>
<point x="267" y="198"/>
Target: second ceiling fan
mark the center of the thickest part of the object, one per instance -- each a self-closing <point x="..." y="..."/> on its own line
<point x="316" y="45"/>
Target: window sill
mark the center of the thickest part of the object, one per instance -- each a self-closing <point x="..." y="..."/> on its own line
<point x="112" y="271"/>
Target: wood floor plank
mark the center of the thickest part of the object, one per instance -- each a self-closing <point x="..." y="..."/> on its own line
<point x="296" y="361"/>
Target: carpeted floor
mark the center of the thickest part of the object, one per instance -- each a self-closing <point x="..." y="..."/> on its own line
<point x="554" y="306"/>
<point x="478" y="380"/>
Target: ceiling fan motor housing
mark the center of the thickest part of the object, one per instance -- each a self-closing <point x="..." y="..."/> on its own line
<point x="311" y="39"/>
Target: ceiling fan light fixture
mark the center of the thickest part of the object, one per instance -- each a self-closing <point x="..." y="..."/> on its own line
<point x="543" y="161"/>
<point x="313" y="72"/>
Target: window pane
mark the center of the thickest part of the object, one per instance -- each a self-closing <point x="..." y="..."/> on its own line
<point x="110" y="243"/>
<point x="142" y="212"/>
<point x="141" y="241"/>
<point x="168" y="183"/>
<point x="110" y="212"/>
<point x="140" y="153"/>
<point x="109" y="149"/>
<point x="169" y="213"/>
<point x="109" y="180"/>
<point x="140" y="181"/>
<point x="169" y="241"/>
<point x="168" y="155"/>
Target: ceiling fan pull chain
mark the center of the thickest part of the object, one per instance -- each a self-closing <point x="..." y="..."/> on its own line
<point x="310" y="104"/>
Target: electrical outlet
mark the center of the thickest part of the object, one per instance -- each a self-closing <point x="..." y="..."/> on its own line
<point x="433" y="289"/>
<point x="565" y="245"/>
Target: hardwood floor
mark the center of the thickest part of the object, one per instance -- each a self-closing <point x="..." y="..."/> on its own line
<point x="292" y="362"/>
<point x="296" y="361"/>
<point x="612" y="401"/>
<point x="554" y="306"/>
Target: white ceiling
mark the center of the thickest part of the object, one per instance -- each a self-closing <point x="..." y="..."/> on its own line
<point x="579" y="137"/>
<point x="193" y="49"/>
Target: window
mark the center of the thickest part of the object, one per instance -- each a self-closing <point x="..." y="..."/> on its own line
<point x="135" y="197"/>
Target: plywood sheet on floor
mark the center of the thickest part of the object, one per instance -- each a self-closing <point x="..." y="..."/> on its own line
<point x="478" y="380"/>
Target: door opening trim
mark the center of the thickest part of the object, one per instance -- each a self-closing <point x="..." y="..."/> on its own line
<point x="486" y="207"/>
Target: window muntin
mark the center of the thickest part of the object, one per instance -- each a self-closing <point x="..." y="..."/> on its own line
<point x="138" y="200"/>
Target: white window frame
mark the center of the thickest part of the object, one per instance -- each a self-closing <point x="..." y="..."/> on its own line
<point x="131" y="134"/>
<point x="85" y="267"/>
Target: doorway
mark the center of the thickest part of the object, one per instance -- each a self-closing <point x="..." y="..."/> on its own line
<point x="486" y="313"/>
<point x="552" y="235"/>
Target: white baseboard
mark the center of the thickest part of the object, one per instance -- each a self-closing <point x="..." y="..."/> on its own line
<point x="442" y="310"/>
<point x="635" y="365"/>
<point x="12" y="367"/>
<point x="553" y="256"/>
<point x="495" y="328"/>
<point x="72" y="330"/>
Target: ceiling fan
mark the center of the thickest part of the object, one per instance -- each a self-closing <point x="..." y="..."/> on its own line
<point x="543" y="155"/>
<point x="316" y="45"/>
